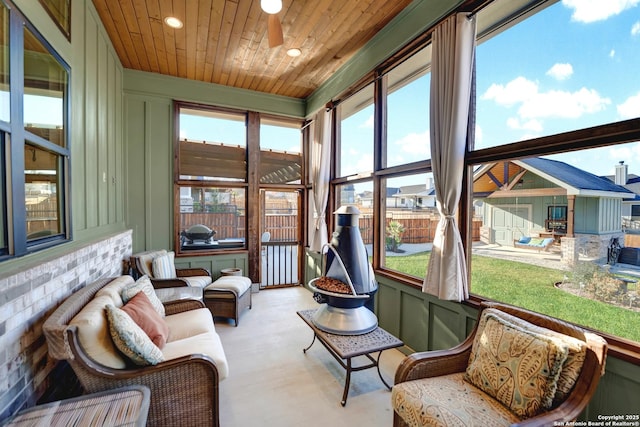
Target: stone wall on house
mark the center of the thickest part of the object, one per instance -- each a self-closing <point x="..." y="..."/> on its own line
<point x="592" y="247"/>
<point x="26" y="300"/>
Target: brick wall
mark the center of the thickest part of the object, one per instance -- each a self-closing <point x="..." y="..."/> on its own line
<point x="27" y="298"/>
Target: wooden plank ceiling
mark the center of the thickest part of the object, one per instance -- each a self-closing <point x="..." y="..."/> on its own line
<point x="225" y="41"/>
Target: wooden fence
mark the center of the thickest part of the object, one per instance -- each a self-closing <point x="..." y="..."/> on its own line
<point x="284" y="228"/>
<point x="416" y="229"/>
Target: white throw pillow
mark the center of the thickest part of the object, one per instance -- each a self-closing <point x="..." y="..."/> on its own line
<point x="143" y="284"/>
<point x="163" y="266"/>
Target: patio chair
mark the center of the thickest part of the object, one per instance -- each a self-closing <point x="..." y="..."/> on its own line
<point x="462" y="386"/>
<point x="159" y="266"/>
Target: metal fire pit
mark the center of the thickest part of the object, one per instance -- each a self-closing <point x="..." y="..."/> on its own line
<point x="347" y="261"/>
<point x="342" y="314"/>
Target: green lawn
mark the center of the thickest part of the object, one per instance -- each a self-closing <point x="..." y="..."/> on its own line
<point x="532" y="287"/>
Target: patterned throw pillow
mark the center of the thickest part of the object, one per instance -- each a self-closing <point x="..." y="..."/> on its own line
<point x="130" y="339"/>
<point x="575" y="357"/>
<point x="143" y="284"/>
<point x="141" y="311"/>
<point x="164" y="267"/>
<point x="519" y="368"/>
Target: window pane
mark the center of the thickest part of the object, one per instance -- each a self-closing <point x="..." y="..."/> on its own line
<point x="219" y="209"/>
<point x="281" y="154"/>
<point x="42" y="181"/>
<point x="212" y="145"/>
<point x="569" y="66"/>
<point x="356" y="133"/>
<point x="411" y="218"/>
<point x="360" y="195"/>
<point x="45" y="92"/>
<point x="5" y="110"/>
<point x="408" y="110"/>
<point x="549" y="234"/>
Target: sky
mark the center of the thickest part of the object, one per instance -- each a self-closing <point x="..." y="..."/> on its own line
<point x="571" y="66"/>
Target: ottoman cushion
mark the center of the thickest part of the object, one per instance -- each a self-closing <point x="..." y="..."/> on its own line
<point x="238" y="284"/>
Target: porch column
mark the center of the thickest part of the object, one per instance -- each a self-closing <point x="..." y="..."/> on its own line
<point x="571" y="202"/>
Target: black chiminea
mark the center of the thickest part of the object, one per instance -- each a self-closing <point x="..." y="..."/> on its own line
<point x="347" y="262"/>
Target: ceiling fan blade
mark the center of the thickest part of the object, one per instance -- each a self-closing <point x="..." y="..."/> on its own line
<point x="274" y="28"/>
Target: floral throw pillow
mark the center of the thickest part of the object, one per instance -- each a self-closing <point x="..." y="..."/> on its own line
<point x="130" y="339"/>
<point x="577" y="351"/>
<point x="519" y="368"/>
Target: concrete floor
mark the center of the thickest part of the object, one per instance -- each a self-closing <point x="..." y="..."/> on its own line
<point x="272" y="382"/>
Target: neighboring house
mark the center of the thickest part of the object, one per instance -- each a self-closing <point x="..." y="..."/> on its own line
<point x="543" y="197"/>
<point x="415" y="197"/>
<point x="630" y="207"/>
<point x="365" y="199"/>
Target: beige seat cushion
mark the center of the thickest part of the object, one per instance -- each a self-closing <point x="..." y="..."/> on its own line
<point x="198" y="281"/>
<point x="94" y="335"/>
<point x="207" y="343"/>
<point x="189" y="323"/>
<point x="114" y="289"/>
<point x="448" y="400"/>
<point x="238" y="284"/>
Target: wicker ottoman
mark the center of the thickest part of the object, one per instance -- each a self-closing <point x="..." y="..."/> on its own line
<point x="228" y="296"/>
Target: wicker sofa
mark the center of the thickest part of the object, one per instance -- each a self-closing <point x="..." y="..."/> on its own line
<point x="516" y="368"/>
<point x="184" y="386"/>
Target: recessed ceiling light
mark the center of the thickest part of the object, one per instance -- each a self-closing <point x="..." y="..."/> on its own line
<point x="294" y="52"/>
<point x="173" y="22"/>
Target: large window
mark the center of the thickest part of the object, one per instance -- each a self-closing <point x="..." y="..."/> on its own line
<point x="408" y="110"/>
<point x="211" y="177"/>
<point x="216" y="200"/>
<point x="280" y="151"/>
<point x="355" y="152"/>
<point x="550" y="219"/>
<point x="33" y="122"/>
<point x="552" y="172"/>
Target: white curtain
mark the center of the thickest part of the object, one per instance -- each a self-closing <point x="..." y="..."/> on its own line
<point x="320" y="160"/>
<point x="452" y="64"/>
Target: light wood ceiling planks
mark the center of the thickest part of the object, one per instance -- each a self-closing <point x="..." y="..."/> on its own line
<point x="225" y="41"/>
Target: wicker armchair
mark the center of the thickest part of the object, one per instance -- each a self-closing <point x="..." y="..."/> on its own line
<point x="184" y="391"/>
<point x="141" y="264"/>
<point x="440" y="363"/>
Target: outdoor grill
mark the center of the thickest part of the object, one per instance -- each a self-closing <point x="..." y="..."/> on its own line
<point x="349" y="313"/>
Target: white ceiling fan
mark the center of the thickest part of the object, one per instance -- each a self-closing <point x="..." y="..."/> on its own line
<point x="274" y="27"/>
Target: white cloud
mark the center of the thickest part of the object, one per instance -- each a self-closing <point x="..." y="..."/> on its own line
<point x="560" y="71"/>
<point x="587" y="11"/>
<point x="630" y="153"/>
<point x="530" y="125"/>
<point x="612" y="53"/>
<point x="416" y="144"/>
<point x="635" y="29"/>
<point x="514" y="92"/>
<point x="563" y="104"/>
<point x="535" y="104"/>
<point x="365" y="163"/>
<point x="368" y="123"/>
<point x="630" y="108"/>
